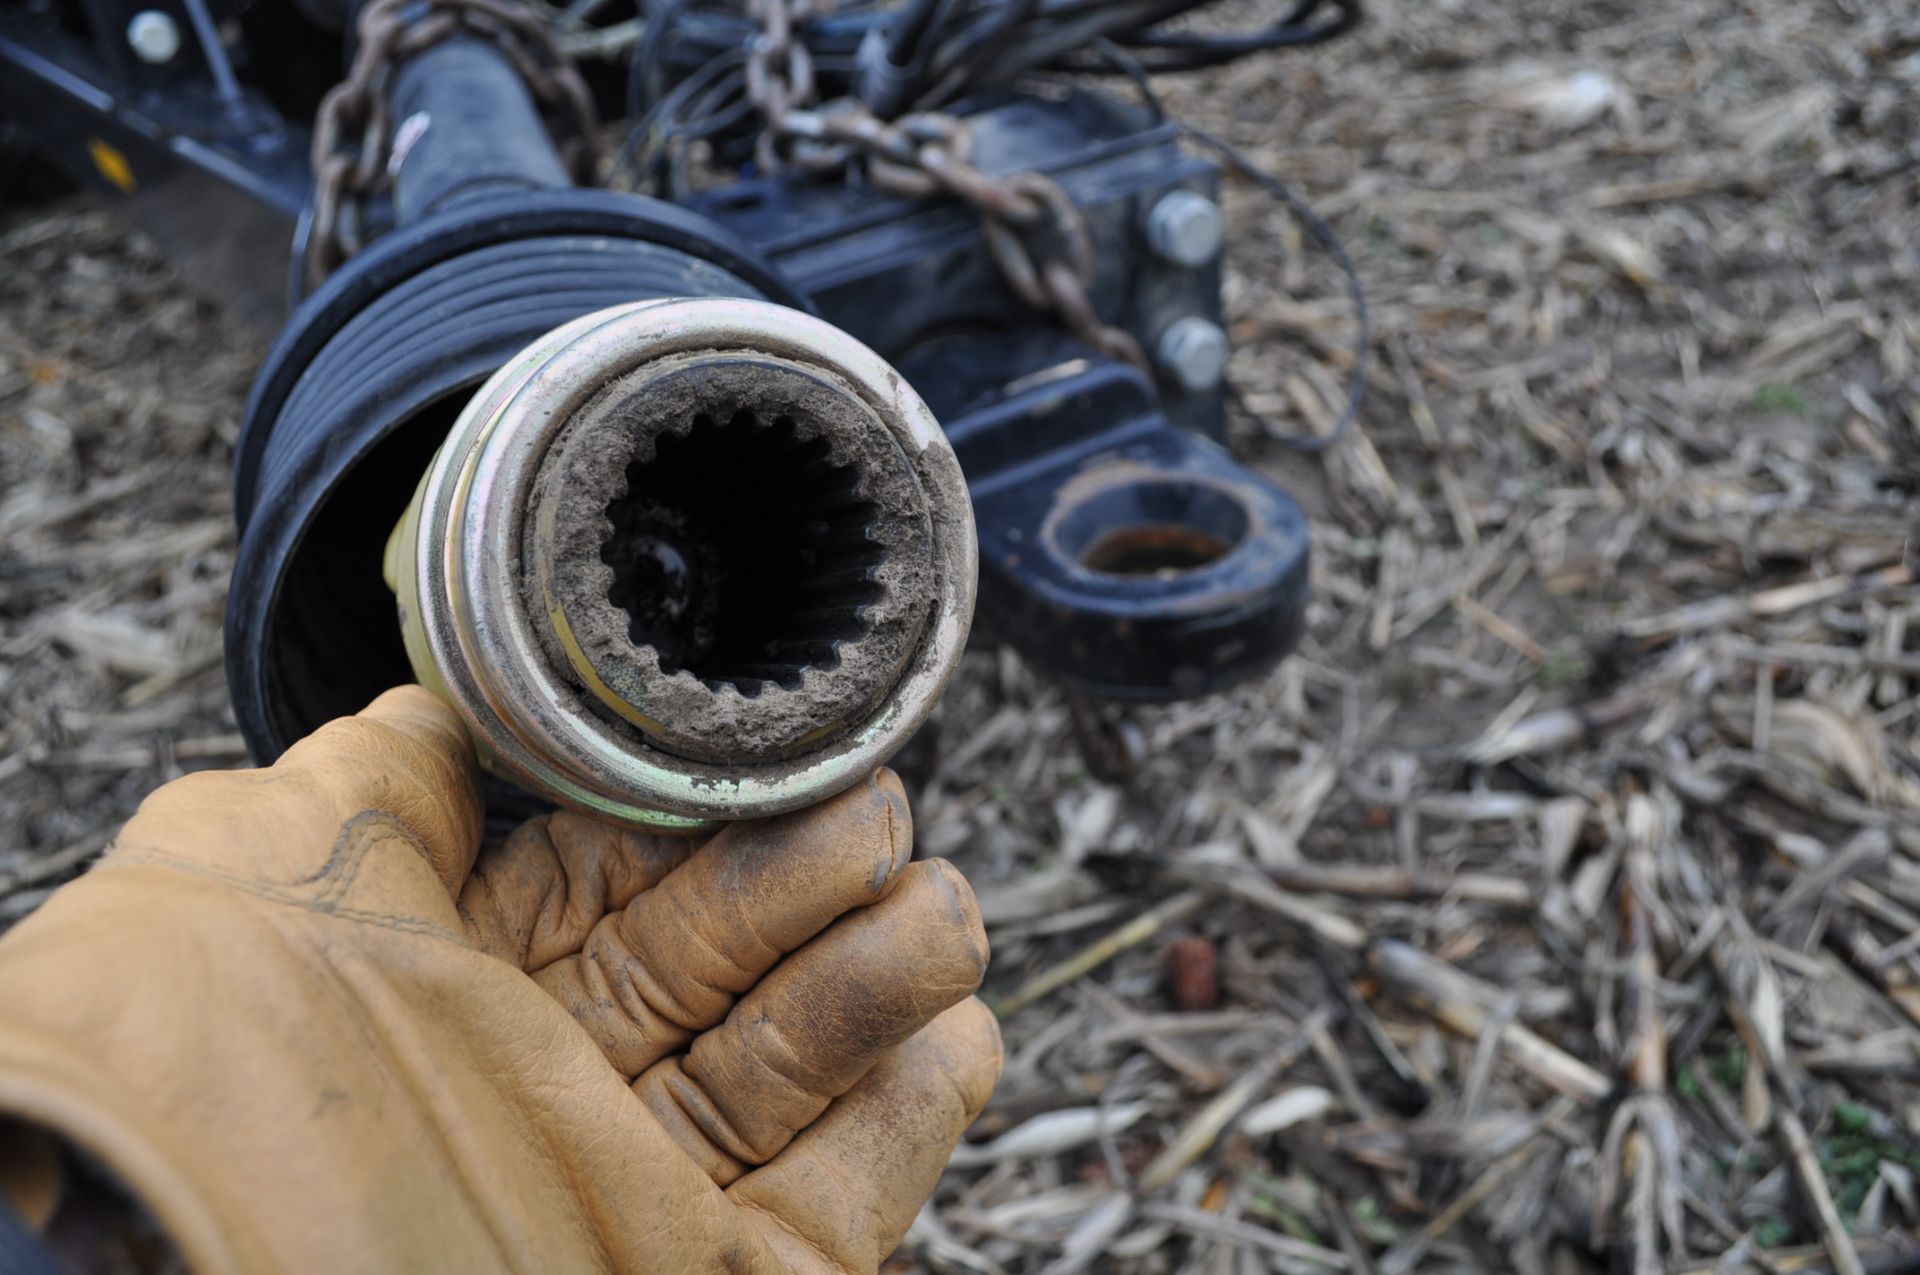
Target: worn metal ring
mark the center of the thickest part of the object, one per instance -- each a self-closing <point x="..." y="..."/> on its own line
<point x="458" y="569"/>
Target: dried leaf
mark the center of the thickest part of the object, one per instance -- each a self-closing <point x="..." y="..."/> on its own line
<point x="1052" y="1133"/>
<point x="1295" y="1106"/>
<point x="1567" y="101"/>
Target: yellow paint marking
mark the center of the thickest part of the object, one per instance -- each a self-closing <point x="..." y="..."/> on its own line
<point x="112" y="165"/>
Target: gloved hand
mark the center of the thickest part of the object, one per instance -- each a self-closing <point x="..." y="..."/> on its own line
<point x="310" y="1032"/>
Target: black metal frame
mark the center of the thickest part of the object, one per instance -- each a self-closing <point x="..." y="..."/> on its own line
<point x="220" y="180"/>
<point x="1123" y="551"/>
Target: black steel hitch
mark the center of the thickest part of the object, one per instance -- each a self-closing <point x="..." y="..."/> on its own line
<point x="1120" y="555"/>
<point x="1122" y="550"/>
<point x="360" y="390"/>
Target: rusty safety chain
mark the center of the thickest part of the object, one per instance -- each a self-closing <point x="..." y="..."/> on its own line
<point x="1037" y="236"/>
<point x="352" y="152"/>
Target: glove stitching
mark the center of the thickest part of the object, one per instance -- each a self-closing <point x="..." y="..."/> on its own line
<point x="358" y="836"/>
<point x="350" y="850"/>
<point x="336" y="872"/>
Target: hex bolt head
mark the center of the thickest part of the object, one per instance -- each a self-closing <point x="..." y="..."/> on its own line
<point x="1185" y="227"/>
<point x="153" y="36"/>
<point x="1193" y="351"/>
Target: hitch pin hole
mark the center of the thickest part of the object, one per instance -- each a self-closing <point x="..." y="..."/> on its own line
<point x="1152" y="529"/>
<point x="1153" y="548"/>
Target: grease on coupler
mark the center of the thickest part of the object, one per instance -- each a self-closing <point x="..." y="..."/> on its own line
<point x="689" y="560"/>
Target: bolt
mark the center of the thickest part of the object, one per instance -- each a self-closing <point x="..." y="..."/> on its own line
<point x="1185" y="228"/>
<point x="154" y="36"/>
<point x="1194" y="352"/>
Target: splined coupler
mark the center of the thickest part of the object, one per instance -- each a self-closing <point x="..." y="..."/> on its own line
<point x="689" y="560"/>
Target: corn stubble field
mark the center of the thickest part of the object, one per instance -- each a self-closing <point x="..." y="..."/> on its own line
<point x="1557" y="907"/>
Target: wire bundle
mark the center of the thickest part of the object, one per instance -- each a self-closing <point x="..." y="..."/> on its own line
<point x="687" y="82"/>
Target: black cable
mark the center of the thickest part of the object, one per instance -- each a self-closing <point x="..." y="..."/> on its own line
<point x="1289" y="31"/>
<point x="907" y="33"/>
<point x="912" y="39"/>
<point x="1251" y="40"/>
<point x="1128" y="65"/>
<point x="1317" y="227"/>
<point x="646" y="71"/>
<point x="1193" y="51"/>
<point x="1045" y="34"/>
<point x="1107" y="20"/>
<point x="652" y="139"/>
<point x="991" y="31"/>
<point x="952" y="49"/>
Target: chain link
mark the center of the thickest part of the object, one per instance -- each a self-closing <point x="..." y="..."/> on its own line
<point x="1036" y="235"/>
<point x="352" y="151"/>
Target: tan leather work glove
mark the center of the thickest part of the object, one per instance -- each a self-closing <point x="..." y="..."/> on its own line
<point x="299" y="1021"/>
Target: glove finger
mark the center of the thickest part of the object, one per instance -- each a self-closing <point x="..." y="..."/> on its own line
<point x="671" y="962"/>
<point x="841" y="1196"/>
<point x="534" y="897"/>
<point x="405" y="754"/>
<point x="819" y="1022"/>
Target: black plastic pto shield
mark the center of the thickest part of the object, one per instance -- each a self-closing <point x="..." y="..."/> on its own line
<point x="361" y="388"/>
